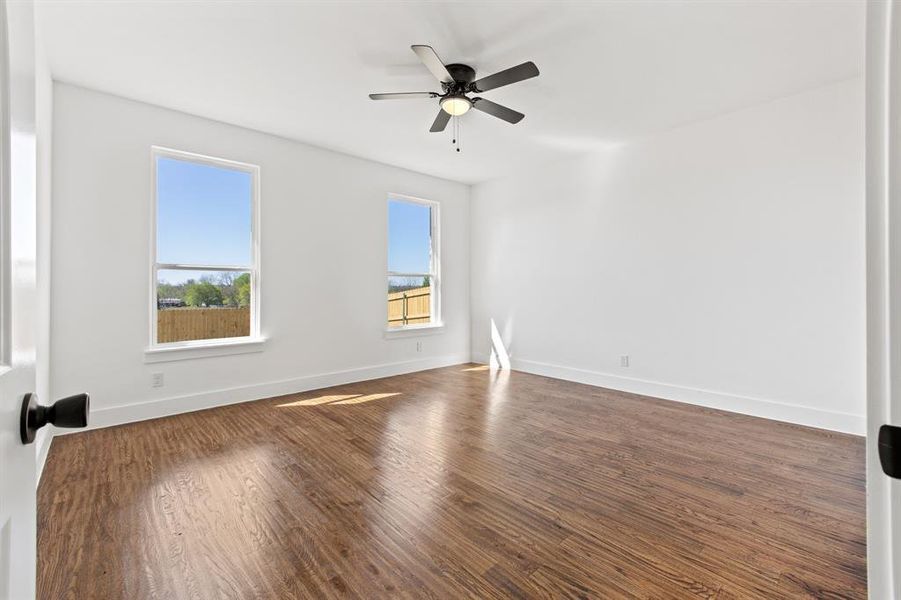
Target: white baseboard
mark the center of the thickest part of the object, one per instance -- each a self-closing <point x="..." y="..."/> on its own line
<point x="757" y="407"/>
<point x="152" y="409"/>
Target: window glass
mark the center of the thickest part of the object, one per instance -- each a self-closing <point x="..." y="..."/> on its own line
<point x="203" y="213"/>
<point x="412" y="263"/>
<point x="409" y="237"/>
<point x="409" y="301"/>
<point x="202" y="305"/>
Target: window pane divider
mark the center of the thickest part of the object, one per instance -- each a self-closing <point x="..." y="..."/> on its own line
<point x="181" y="267"/>
<point x="395" y="274"/>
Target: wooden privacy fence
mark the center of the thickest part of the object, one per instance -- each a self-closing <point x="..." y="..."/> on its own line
<point x="410" y="307"/>
<point x="182" y="324"/>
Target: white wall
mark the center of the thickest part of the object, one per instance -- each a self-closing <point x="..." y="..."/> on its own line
<point x="726" y="258"/>
<point x="323" y="263"/>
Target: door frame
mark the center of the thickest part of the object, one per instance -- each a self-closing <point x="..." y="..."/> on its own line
<point x="883" y="240"/>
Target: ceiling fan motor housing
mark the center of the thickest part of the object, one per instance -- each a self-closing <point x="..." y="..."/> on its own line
<point x="463" y="75"/>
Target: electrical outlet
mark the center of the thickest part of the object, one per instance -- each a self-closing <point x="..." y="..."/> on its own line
<point x="156" y="380"/>
<point x="624" y="360"/>
<point x="419" y="346"/>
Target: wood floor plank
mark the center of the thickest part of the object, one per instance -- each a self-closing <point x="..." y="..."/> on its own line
<point x="454" y="483"/>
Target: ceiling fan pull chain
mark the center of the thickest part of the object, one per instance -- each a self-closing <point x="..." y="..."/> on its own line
<point x="458" y="136"/>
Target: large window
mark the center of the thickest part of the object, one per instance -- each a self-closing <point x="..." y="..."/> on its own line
<point x="205" y="281"/>
<point x="413" y="266"/>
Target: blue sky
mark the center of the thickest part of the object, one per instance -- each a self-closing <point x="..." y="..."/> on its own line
<point x="204" y="217"/>
<point x="409" y="235"/>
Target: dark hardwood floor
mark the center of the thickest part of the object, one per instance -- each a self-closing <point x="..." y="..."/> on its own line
<point x="454" y="483"/>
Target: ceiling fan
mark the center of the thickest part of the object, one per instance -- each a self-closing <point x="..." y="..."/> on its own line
<point x="457" y="81"/>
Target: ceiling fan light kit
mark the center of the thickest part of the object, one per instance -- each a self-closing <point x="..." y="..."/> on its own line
<point x="458" y="80"/>
<point x="456" y="105"/>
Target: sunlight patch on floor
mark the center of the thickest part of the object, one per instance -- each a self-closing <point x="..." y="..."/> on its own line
<point x="339" y="399"/>
<point x="319" y="400"/>
<point x="367" y="398"/>
<point x="479" y="368"/>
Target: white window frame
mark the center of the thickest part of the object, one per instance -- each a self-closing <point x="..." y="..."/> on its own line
<point x="436" y="324"/>
<point x="157" y="352"/>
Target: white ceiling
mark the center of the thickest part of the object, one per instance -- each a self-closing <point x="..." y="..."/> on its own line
<point x="610" y="71"/>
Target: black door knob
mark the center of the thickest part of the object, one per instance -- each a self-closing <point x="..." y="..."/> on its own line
<point x="68" y="412"/>
<point x="889" y="445"/>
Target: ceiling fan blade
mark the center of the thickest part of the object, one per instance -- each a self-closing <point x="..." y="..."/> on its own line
<point x="440" y="121"/>
<point x="496" y="110"/>
<point x="403" y="95"/>
<point x="526" y="70"/>
<point x="430" y="59"/>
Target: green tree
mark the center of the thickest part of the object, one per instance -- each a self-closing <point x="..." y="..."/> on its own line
<point x="242" y="287"/>
<point x="425" y="281"/>
<point x="167" y="290"/>
<point x="203" y="293"/>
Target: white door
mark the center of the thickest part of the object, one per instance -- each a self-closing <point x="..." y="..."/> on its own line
<point x="17" y="297"/>
<point x="883" y="91"/>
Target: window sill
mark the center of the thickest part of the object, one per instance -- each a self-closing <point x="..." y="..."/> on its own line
<point x="413" y="331"/>
<point x="192" y="350"/>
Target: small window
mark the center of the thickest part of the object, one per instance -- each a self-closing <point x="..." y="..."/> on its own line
<point x="413" y="266"/>
<point x="206" y="269"/>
